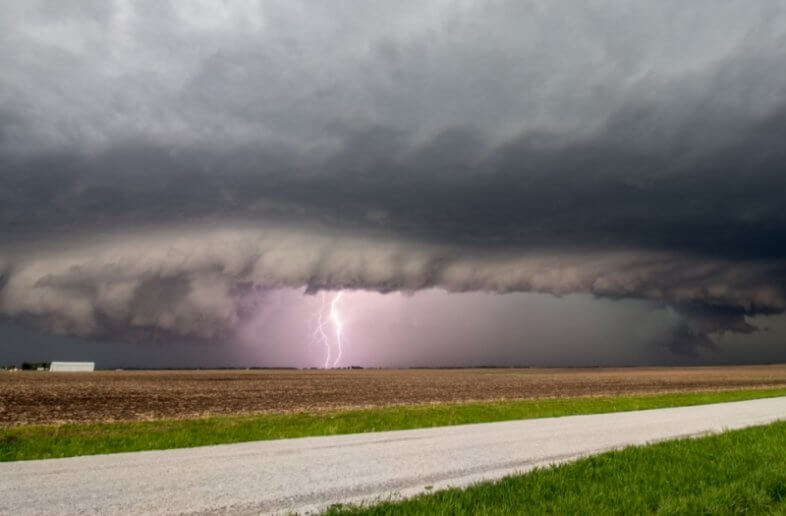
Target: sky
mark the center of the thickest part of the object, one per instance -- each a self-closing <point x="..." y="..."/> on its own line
<point x="393" y="184"/>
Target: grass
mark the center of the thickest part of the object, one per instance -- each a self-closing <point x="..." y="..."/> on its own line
<point x="67" y="440"/>
<point x="739" y="472"/>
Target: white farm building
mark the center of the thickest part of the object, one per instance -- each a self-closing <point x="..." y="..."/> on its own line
<point x="72" y="366"/>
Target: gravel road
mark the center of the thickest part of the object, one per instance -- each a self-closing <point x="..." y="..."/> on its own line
<point x="311" y="473"/>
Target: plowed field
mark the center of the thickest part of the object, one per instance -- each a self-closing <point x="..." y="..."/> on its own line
<point x="43" y="397"/>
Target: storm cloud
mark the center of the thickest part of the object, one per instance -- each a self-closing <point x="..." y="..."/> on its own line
<point x="163" y="165"/>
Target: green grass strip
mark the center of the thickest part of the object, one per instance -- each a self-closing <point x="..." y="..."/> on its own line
<point x="68" y="440"/>
<point x="738" y="472"/>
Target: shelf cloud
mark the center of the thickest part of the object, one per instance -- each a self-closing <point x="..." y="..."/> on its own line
<point x="161" y="165"/>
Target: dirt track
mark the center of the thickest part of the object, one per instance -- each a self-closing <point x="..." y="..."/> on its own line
<point x="42" y="397"/>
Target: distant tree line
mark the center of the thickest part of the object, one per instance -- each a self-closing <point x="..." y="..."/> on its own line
<point x="28" y="366"/>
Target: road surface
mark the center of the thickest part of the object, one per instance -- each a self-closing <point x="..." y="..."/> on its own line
<point x="311" y="473"/>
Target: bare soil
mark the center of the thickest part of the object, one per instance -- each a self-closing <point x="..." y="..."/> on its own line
<point x="44" y="397"/>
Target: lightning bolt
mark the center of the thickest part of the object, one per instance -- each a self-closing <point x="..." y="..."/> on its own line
<point x="320" y="333"/>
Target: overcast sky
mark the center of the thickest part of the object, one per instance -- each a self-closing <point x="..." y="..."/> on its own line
<point x="504" y="182"/>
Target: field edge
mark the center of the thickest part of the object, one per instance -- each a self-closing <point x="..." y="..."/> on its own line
<point x="30" y="442"/>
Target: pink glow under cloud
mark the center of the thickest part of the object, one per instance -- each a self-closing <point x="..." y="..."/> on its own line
<point x="327" y="329"/>
<point x="433" y="327"/>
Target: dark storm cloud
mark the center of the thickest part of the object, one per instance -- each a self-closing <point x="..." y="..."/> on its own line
<point x="687" y="340"/>
<point x="534" y="191"/>
<point x="628" y="150"/>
